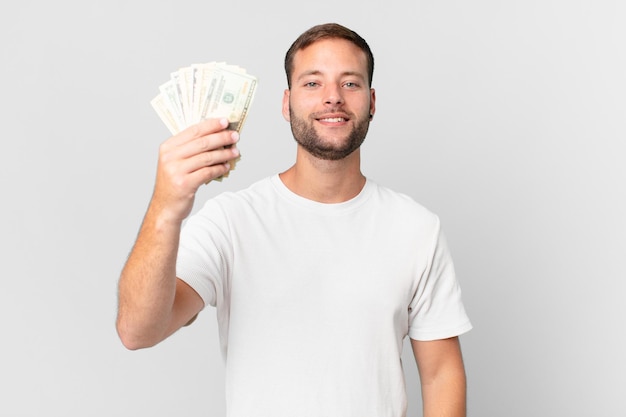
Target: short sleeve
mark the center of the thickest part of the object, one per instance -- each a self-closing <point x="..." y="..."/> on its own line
<point x="203" y="253"/>
<point x="436" y="310"/>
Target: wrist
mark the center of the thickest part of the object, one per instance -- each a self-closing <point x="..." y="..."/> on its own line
<point x="163" y="219"/>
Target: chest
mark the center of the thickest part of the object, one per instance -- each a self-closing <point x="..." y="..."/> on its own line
<point x="334" y="272"/>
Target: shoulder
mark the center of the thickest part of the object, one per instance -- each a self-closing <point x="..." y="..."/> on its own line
<point x="257" y="191"/>
<point x="233" y="203"/>
<point x="402" y="206"/>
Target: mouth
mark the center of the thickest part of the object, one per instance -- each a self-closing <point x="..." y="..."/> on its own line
<point x="333" y="119"/>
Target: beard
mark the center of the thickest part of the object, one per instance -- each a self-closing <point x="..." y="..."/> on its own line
<point x="305" y="135"/>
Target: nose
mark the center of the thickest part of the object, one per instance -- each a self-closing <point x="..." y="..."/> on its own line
<point x="333" y="95"/>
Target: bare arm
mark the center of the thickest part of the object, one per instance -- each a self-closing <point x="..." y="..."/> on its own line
<point x="153" y="303"/>
<point x="442" y="376"/>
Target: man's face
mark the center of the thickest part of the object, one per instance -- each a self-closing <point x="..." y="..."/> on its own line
<point x="329" y="103"/>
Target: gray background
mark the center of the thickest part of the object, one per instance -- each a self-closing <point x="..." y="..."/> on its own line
<point x="507" y="118"/>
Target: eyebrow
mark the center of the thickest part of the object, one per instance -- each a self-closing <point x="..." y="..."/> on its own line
<point x="343" y="74"/>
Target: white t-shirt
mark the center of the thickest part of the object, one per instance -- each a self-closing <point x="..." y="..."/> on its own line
<point x="314" y="300"/>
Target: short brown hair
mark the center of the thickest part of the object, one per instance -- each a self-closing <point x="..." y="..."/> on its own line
<point x="328" y="31"/>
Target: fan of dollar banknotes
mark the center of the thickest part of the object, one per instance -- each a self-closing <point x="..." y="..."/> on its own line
<point x="203" y="91"/>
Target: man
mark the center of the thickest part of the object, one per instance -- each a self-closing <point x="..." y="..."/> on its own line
<point x="317" y="274"/>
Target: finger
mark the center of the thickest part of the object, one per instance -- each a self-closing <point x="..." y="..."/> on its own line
<point x="202" y="128"/>
<point x="205" y="175"/>
<point x="207" y="143"/>
<point x="209" y="159"/>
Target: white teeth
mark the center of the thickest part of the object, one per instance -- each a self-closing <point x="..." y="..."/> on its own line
<point x="334" y="119"/>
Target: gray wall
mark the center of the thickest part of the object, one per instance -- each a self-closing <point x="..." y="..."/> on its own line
<point x="505" y="118"/>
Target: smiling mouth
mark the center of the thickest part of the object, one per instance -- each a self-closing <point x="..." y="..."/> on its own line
<point x="332" y="119"/>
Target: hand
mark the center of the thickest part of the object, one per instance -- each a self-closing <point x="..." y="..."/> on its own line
<point x="189" y="159"/>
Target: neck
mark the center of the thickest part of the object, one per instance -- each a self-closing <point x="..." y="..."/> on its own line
<point x="325" y="181"/>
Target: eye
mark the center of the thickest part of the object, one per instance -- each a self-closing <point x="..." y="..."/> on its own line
<point x="311" y="84"/>
<point x="350" y="84"/>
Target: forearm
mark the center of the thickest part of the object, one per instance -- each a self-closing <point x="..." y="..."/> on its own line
<point x="147" y="286"/>
<point x="445" y="395"/>
<point x="148" y="289"/>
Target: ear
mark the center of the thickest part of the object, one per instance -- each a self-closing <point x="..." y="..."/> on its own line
<point x="286" y="95"/>
<point x="372" y="101"/>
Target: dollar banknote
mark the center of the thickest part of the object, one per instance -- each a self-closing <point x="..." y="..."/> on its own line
<point x="203" y="91"/>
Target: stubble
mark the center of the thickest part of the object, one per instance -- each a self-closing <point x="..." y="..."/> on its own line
<point x="306" y="136"/>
